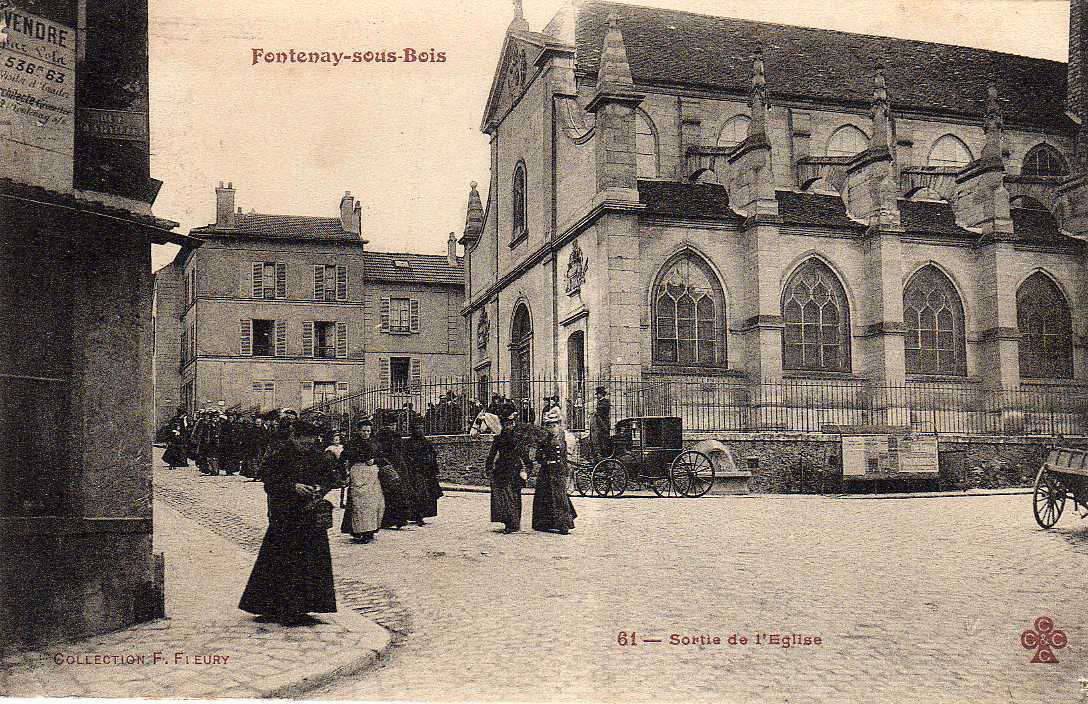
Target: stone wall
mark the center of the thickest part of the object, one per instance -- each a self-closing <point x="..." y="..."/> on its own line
<point x="810" y="463"/>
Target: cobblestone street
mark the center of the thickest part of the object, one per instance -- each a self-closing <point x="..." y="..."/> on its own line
<point x="919" y="600"/>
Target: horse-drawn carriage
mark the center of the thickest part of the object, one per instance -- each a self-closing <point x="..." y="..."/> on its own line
<point x="648" y="451"/>
<point x="1064" y="475"/>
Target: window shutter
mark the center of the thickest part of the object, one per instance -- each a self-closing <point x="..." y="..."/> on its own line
<point x="385" y="313"/>
<point x="258" y="279"/>
<point x="341" y="282"/>
<point x="416" y="374"/>
<point x="281" y="279"/>
<point x="307" y="392"/>
<point x="342" y="388"/>
<point x="383" y="367"/>
<point x="307" y="338"/>
<point x="341" y="340"/>
<point x="319" y="282"/>
<point x="413" y="319"/>
<point x="245" y="330"/>
<point x="281" y="338"/>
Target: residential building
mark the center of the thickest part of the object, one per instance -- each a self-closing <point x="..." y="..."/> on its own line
<point x="76" y="229"/>
<point x="285" y="310"/>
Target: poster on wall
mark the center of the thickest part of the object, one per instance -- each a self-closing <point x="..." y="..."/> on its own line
<point x="37" y="99"/>
<point x="878" y="456"/>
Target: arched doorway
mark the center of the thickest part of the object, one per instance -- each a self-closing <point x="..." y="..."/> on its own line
<point x="576" y="380"/>
<point x="521" y="361"/>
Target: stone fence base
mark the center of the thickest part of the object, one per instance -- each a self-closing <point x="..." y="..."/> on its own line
<point x="810" y="462"/>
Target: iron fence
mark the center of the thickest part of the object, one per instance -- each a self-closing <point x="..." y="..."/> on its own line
<point x="449" y="406"/>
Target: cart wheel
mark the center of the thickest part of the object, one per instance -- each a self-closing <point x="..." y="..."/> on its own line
<point x="692" y="473"/>
<point x="1048" y="501"/>
<point x="609" y="478"/>
<point x="583" y="479"/>
<point x="662" y="485"/>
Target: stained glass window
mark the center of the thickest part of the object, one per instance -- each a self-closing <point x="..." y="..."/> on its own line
<point x="933" y="325"/>
<point x="1046" y="337"/>
<point x="689" y="315"/>
<point x="1044" y="160"/>
<point x="817" y="319"/>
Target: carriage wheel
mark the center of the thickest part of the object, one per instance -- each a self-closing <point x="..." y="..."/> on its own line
<point x="692" y="473"/>
<point x="609" y="478"/>
<point x="1048" y="501"/>
<point x="662" y="485"/>
<point x="583" y="479"/>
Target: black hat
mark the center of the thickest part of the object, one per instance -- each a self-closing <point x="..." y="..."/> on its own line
<point x="364" y="422"/>
<point x="602" y="390"/>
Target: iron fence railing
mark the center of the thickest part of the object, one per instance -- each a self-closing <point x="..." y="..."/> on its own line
<point x="449" y="406"/>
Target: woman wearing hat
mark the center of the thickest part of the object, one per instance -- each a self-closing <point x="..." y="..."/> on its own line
<point x="293" y="572"/>
<point x="508" y="466"/>
<point x="552" y="508"/>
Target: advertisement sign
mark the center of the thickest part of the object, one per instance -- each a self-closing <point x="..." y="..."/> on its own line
<point x="879" y="456"/>
<point x="37" y="99"/>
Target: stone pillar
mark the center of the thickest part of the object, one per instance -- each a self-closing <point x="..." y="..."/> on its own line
<point x="617" y="317"/>
<point x="691" y="129"/>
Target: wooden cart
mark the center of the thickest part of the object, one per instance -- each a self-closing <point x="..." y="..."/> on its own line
<point x="1064" y="475"/>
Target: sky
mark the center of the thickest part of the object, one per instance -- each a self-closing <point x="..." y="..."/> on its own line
<point x="404" y="137"/>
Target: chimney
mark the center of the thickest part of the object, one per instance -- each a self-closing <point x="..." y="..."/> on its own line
<point x="225" y="217"/>
<point x="451" y="250"/>
<point x="1078" y="43"/>
<point x="347" y="206"/>
<point x="357" y="220"/>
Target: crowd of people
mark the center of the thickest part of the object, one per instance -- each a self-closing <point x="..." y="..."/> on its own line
<point x="386" y="481"/>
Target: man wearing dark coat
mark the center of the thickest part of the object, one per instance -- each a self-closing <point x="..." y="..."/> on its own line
<point x="293" y="572"/>
<point x="508" y="465"/>
<point x="552" y="508"/>
<point x="600" y="430"/>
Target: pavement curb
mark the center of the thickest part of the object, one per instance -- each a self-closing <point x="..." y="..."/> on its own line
<point x="1015" y="491"/>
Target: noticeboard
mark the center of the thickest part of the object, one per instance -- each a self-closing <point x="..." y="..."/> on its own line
<point x="37" y="98"/>
<point x="884" y="455"/>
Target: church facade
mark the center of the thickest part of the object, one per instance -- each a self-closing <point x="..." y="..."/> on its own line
<point x="685" y="198"/>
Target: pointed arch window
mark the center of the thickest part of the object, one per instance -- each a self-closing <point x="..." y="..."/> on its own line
<point x="734" y="131"/>
<point x="949" y="152"/>
<point x="645" y="146"/>
<point x="817" y="320"/>
<point x="520" y="201"/>
<point x="689" y="315"/>
<point x="1046" y="331"/>
<point x="933" y="325"/>
<point x="1044" y="160"/>
<point x="847" y="141"/>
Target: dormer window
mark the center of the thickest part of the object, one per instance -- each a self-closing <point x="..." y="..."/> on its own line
<point x="520" y="203"/>
<point x="401" y="264"/>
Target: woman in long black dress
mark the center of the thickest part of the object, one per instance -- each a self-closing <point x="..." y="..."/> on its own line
<point x="552" y="508"/>
<point x="508" y="465"/>
<point x="293" y="572"/>
<point x="421" y="460"/>
<point x="399" y="506"/>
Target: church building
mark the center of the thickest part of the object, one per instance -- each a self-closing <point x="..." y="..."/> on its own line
<point x="683" y="198"/>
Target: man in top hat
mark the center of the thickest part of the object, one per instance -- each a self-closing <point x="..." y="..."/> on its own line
<point x="600" y="429"/>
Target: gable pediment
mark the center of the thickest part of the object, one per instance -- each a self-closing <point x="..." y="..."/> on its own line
<point x="516" y="69"/>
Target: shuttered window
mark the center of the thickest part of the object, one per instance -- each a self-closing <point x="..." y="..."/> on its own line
<point x="342" y="388"/>
<point x="319" y="282"/>
<point x="307" y="338"/>
<point x="383" y="372"/>
<point x="281" y="279"/>
<point x="400" y="316"/>
<point x="341" y="282"/>
<point x="413" y="308"/>
<point x="245" y="333"/>
<point x="385" y="313"/>
<point x="416" y="380"/>
<point x="341" y="340"/>
<point x="281" y="338"/>
<point x="258" y="280"/>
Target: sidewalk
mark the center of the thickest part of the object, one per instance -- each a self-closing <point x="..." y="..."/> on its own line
<point x="905" y="495"/>
<point x="206" y="647"/>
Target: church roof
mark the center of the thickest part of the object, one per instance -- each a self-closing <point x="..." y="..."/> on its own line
<point x="684" y="199"/>
<point x="682" y="49"/>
